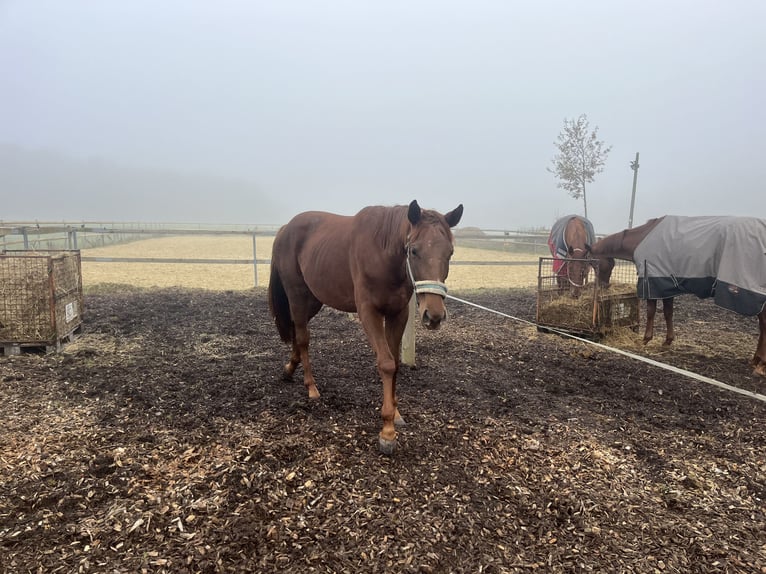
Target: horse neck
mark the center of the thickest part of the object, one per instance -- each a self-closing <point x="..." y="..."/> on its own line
<point x="613" y="246"/>
<point x="622" y="245"/>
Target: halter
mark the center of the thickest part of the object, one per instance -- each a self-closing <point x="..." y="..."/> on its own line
<point x="575" y="249"/>
<point x="435" y="287"/>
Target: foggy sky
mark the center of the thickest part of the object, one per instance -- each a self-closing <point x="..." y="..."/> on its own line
<point x="240" y="110"/>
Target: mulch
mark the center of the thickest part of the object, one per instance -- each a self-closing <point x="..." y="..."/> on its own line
<point x="165" y="440"/>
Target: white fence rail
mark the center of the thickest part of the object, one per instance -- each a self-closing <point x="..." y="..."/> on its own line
<point x="84" y="235"/>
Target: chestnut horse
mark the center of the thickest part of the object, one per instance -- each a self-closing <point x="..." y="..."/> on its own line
<point x="369" y="263"/>
<point x="623" y="245"/>
<point x="568" y="242"/>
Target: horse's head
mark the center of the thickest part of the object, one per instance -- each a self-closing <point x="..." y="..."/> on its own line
<point x="604" y="265"/>
<point x="575" y="238"/>
<point x="577" y="270"/>
<point x="429" y="248"/>
<point x="604" y="271"/>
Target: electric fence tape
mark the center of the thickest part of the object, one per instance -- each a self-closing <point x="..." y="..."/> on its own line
<point x="647" y="360"/>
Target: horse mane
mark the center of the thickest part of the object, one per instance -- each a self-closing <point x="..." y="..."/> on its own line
<point x="609" y="244"/>
<point x="388" y="225"/>
<point x="623" y="243"/>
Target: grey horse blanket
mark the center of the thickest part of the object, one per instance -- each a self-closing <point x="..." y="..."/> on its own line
<point x="720" y="257"/>
<point x="557" y="241"/>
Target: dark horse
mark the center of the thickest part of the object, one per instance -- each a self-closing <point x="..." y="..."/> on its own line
<point x="370" y="264"/>
<point x="568" y="242"/>
<point x="624" y="245"/>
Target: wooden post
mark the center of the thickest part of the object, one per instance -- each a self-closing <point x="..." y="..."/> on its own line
<point x="634" y="167"/>
<point x="408" y="340"/>
<point x="255" y="261"/>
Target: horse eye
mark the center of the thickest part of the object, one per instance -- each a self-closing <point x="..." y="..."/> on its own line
<point x="414" y="251"/>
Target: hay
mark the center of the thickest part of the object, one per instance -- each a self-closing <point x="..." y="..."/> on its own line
<point x="40" y="296"/>
<point x="625" y="338"/>
<point x="618" y="289"/>
<point x="24" y="299"/>
<point x="566" y="311"/>
<point x="596" y="310"/>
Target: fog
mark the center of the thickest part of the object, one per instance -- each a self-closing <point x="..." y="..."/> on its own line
<point x="249" y="112"/>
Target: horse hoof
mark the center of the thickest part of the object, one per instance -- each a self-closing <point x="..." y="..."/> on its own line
<point x="667" y="342"/>
<point x="760" y="370"/>
<point x="399" y="422"/>
<point x="387" y="447"/>
<point x="313" y="393"/>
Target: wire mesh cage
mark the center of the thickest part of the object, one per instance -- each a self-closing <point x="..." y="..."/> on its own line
<point x="40" y="298"/>
<point x="586" y="308"/>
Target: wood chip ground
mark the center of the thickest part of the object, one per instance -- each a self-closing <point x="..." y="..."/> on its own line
<point x="164" y="440"/>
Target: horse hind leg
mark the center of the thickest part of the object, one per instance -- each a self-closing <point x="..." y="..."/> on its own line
<point x="759" y="365"/>
<point x="292" y="364"/>
<point x="758" y="361"/>
<point x="301" y="353"/>
<point x="651" y="311"/>
<point x="302" y="313"/>
<point x="667" y="311"/>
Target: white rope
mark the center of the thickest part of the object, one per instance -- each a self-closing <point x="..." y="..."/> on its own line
<point x="671" y="368"/>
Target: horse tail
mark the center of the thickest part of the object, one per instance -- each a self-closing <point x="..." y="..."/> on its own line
<point x="279" y="305"/>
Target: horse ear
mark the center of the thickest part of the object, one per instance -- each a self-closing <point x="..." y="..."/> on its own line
<point x="453" y="217"/>
<point x="413" y="214"/>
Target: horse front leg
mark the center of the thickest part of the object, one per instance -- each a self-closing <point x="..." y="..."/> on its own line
<point x="759" y="359"/>
<point x="651" y="311"/>
<point x="667" y="311"/>
<point x="387" y="363"/>
<point x="395" y="326"/>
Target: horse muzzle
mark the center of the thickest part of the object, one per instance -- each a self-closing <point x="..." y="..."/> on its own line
<point x="433" y="318"/>
<point x="433" y="311"/>
<point x="431" y="296"/>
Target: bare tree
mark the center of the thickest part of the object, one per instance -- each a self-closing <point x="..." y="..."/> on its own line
<point x="581" y="156"/>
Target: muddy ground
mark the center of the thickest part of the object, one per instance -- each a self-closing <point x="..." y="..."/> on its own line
<point x="164" y="440"/>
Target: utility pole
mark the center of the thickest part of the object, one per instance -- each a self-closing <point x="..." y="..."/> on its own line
<point x="634" y="167"/>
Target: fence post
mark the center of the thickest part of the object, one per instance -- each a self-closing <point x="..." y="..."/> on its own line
<point x="634" y="167"/>
<point x="408" y="339"/>
<point x="255" y="261"/>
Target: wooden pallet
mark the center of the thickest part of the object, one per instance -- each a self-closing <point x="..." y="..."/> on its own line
<point x="17" y="348"/>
